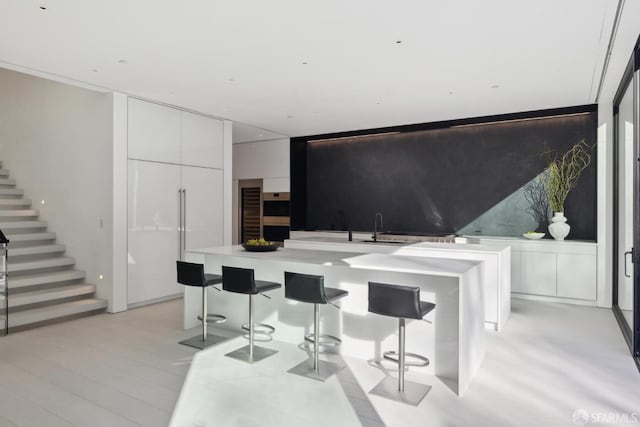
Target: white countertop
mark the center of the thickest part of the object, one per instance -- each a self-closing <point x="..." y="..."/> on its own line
<point x="387" y="262"/>
<point x="467" y="247"/>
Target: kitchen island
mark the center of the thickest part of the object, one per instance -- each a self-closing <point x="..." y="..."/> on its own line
<point x="452" y="336"/>
<point x="496" y="262"/>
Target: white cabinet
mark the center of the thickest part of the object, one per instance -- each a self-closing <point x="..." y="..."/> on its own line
<point x="153" y="132"/>
<point x="577" y="276"/>
<point x="565" y="271"/>
<point x="201" y="141"/>
<point x="538" y="273"/>
<point x="204" y="209"/>
<point x="163" y="134"/>
<point x="153" y="230"/>
<point x="175" y="194"/>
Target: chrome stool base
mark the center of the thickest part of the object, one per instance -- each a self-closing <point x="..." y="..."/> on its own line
<point x="198" y="342"/>
<point x="324" y="371"/>
<point x="413" y="392"/>
<point x="399" y="389"/>
<point x="252" y="353"/>
<point x="244" y="353"/>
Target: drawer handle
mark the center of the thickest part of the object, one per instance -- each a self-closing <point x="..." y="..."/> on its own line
<point x="625" y="263"/>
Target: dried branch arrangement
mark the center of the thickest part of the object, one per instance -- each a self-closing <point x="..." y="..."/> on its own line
<point x="563" y="174"/>
<point x="536" y="194"/>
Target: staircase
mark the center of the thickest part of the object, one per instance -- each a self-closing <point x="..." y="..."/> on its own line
<point x="43" y="285"/>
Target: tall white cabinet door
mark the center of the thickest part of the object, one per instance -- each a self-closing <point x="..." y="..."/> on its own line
<point x="153" y="132"/>
<point x="202" y="141"/>
<point x="152" y="230"/>
<point x="204" y="210"/>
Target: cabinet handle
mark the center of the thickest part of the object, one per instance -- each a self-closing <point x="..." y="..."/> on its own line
<point x="179" y="224"/>
<point x="184" y="220"/>
<point x="625" y="263"/>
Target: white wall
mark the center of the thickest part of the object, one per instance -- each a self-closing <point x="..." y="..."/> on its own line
<point x="626" y="37"/>
<point x="56" y="140"/>
<point x="266" y="160"/>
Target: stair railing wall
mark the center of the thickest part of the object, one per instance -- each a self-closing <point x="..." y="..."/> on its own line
<point x="4" y="280"/>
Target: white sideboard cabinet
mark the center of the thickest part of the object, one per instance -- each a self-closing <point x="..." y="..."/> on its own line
<point x="565" y="270"/>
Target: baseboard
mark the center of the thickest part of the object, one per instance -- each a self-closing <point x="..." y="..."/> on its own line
<point x="555" y="299"/>
<point x="155" y="301"/>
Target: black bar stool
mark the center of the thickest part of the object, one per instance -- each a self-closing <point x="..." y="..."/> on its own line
<point x="310" y="289"/>
<point x="242" y="281"/>
<point x="191" y="274"/>
<point x="402" y="302"/>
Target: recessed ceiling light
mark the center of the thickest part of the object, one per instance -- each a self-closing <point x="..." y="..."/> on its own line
<point x="495" y="86"/>
<point x="123" y="61"/>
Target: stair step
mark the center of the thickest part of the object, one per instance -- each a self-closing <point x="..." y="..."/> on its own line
<point x="44" y="295"/>
<point x="41" y="263"/>
<point x="14" y="202"/>
<point x="11" y="192"/>
<point x="43" y="279"/>
<point x="35" y="250"/>
<point x="27" y="237"/>
<point x="18" y="212"/>
<point x="22" y="224"/>
<point x="52" y="312"/>
<point x="4" y="172"/>
<point x="7" y="181"/>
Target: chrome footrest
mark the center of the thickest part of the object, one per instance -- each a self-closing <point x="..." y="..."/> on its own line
<point x="260" y="328"/>
<point x="261" y="332"/>
<point x="417" y="359"/>
<point x="325" y="340"/>
<point x="213" y="318"/>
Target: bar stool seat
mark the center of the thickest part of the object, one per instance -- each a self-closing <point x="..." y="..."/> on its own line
<point x="263" y="286"/>
<point x="212" y="279"/>
<point x="425" y="308"/>
<point x="333" y="294"/>
<point x="401" y="302"/>
<point x="310" y="288"/>
<point x="242" y="281"/>
<point x="192" y="274"/>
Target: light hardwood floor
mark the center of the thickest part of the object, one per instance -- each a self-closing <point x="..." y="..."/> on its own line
<point x="107" y="370"/>
<point x="127" y="369"/>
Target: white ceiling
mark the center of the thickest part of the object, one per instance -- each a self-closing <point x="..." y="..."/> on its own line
<point x="244" y="60"/>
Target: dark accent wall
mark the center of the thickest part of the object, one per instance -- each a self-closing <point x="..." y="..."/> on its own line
<point x="440" y="177"/>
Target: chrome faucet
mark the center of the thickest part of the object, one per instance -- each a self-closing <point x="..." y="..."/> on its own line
<point x="375" y="226"/>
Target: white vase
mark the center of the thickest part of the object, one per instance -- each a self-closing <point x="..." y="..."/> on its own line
<point x="559" y="228"/>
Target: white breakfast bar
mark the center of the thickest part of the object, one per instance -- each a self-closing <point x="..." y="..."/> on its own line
<point x="496" y="262"/>
<point x="452" y="336"/>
